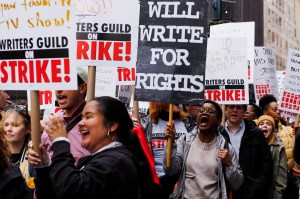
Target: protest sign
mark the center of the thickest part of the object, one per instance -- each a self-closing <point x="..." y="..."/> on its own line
<point x="290" y="100"/>
<point x="244" y="29"/>
<point x="125" y="93"/>
<point x="143" y="108"/>
<point x="172" y="51"/>
<point x="47" y="99"/>
<point x="107" y="32"/>
<point x="37" y="46"/>
<point x="288" y="114"/>
<point x="280" y="79"/>
<point x="226" y="82"/>
<point x="265" y="80"/>
<point x="126" y="76"/>
<point x="106" y="81"/>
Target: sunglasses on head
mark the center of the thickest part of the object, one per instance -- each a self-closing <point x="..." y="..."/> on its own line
<point x="18" y="108"/>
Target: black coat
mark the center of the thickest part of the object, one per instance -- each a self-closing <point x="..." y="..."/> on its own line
<point x="12" y="184"/>
<point x="109" y="174"/>
<point x="255" y="161"/>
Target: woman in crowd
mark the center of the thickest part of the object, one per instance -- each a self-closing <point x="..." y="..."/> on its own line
<point x="253" y="112"/>
<point x="110" y="172"/>
<point x="154" y="126"/>
<point x="16" y="126"/>
<point x="204" y="158"/>
<point x="279" y="181"/>
<point x="12" y="184"/>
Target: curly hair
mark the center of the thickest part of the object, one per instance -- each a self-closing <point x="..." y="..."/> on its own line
<point x="155" y="108"/>
<point x="266" y="100"/>
<point x="4" y="150"/>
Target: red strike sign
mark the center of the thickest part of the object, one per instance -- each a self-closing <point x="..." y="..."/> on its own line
<point x="126" y="74"/>
<point x="45" y="97"/>
<point x="35" y="71"/>
<point x="103" y="50"/>
<point x="225" y="95"/>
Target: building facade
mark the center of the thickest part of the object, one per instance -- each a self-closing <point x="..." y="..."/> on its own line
<point x="280" y="31"/>
<point x="276" y="23"/>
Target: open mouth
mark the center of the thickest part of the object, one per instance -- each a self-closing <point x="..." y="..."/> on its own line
<point x="61" y="97"/>
<point x="204" y="121"/>
<point x="84" y="132"/>
<point x="265" y="131"/>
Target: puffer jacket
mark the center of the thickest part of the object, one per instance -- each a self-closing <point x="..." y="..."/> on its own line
<point x="179" y="155"/>
<point x="288" y="139"/>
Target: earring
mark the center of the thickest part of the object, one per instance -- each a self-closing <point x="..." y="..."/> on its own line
<point x="108" y="132"/>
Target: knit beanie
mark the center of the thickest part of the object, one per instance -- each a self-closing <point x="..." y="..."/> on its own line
<point x="265" y="117"/>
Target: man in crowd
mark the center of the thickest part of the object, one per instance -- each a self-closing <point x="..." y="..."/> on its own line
<point x="192" y="112"/>
<point x="3" y="101"/>
<point x="252" y="151"/>
<point x="71" y="103"/>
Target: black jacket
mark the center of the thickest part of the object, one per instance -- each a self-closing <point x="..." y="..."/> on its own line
<point x="12" y="184"/>
<point x="109" y="174"/>
<point x="256" y="163"/>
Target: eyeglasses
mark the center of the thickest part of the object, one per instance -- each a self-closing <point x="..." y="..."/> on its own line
<point x="238" y="107"/>
<point x="18" y="108"/>
<point x="207" y="110"/>
<point x="249" y="113"/>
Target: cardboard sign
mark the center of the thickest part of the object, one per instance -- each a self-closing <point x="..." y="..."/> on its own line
<point x="172" y="51"/>
<point x="290" y="100"/>
<point x="265" y="80"/>
<point x="107" y="32"/>
<point x="106" y="81"/>
<point x="226" y="81"/>
<point x="244" y="29"/>
<point x="47" y="99"/>
<point x="37" y="45"/>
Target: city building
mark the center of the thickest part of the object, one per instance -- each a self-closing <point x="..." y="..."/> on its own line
<point x="275" y="22"/>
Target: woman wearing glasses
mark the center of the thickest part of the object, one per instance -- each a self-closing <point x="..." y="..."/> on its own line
<point x="204" y="159"/>
<point x="16" y="126"/>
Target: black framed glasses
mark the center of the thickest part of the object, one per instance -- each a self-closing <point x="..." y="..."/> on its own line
<point x="207" y="110"/>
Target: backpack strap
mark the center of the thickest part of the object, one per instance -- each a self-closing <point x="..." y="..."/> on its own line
<point x="73" y="123"/>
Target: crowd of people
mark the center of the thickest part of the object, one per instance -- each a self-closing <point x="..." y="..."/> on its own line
<point x="89" y="150"/>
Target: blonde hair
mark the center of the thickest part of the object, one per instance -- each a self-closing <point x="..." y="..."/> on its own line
<point x="155" y="108"/>
<point x="4" y="150"/>
<point x="18" y="114"/>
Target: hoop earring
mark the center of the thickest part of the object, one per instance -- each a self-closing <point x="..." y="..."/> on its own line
<point x="108" y="132"/>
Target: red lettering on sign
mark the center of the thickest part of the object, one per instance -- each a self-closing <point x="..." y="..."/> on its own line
<point x="126" y="74"/>
<point x="45" y="97"/>
<point x="103" y="50"/>
<point x="35" y="71"/>
<point x="225" y="95"/>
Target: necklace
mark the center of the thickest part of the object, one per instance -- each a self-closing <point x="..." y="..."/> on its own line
<point x="16" y="163"/>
